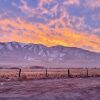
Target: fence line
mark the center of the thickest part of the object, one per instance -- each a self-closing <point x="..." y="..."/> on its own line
<point x="52" y="72"/>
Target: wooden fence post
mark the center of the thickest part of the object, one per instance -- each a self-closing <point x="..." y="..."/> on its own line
<point x="87" y="72"/>
<point x="19" y="73"/>
<point x="68" y="72"/>
<point x="46" y="74"/>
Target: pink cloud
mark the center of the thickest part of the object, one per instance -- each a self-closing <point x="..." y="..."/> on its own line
<point x="92" y="4"/>
<point x="72" y="2"/>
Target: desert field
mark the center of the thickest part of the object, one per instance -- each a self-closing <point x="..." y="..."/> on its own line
<point x="51" y="89"/>
<point x="50" y="84"/>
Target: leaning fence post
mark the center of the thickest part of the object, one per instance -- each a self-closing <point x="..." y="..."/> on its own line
<point x="19" y="73"/>
<point x="46" y="74"/>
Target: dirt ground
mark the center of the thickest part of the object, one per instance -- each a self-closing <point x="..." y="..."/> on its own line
<point x="51" y="89"/>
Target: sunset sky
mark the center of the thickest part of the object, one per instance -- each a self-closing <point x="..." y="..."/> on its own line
<point x="72" y="23"/>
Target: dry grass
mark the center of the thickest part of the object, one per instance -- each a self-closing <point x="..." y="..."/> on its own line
<point x="79" y="72"/>
<point x="32" y="73"/>
<point x="48" y="73"/>
<point x="9" y="73"/>
<point x="57" y="73"/>
<point x="94" y="72"/>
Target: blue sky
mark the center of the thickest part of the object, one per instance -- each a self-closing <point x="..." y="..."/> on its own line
<point x="79" y="16"/>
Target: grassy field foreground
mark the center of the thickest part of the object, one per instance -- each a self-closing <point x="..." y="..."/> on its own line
<point x="51" y="89"/>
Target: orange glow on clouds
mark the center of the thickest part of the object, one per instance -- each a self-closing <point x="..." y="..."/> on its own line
<point x="22" y="31"/>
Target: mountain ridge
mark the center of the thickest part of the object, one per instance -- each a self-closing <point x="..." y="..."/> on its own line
<point x="44" y="51"/>
<point x="24" y="44"/>
<point x="30" y="54"/>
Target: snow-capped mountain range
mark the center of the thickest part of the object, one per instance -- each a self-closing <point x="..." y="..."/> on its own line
<point x="38" y="51"/>
<point x="37" y="54"/>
